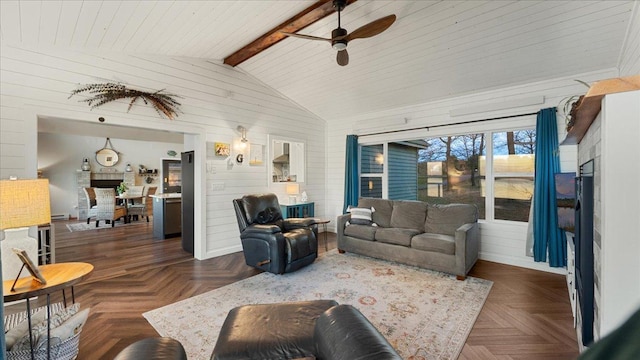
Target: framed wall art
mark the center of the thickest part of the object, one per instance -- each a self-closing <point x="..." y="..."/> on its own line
<point x="256" y="154"/>
<point x="222" y="149"/>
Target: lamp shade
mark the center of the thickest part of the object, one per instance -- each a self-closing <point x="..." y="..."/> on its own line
<point x="24" y="203"/>
<point x="293" y="189"/>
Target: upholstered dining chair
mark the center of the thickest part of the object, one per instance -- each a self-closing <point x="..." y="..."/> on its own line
<point x="92" y="208"/>
<point x="143" y="206"/>
<point x="270" y="242"/>
<point x="135" y="191"/>
<point x="106" y="206"/>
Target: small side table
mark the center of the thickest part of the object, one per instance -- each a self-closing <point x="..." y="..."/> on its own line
<point x="324" y="223"/>
<point x="59" y="276"/>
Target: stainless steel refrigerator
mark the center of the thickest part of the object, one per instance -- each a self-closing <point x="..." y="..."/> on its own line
<point x="188" y="190"/>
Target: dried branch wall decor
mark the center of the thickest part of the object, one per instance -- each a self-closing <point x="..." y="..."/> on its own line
<point x="162" y="102"/>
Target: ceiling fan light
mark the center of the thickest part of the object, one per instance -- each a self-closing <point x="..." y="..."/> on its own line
<point x="339" y="46"/>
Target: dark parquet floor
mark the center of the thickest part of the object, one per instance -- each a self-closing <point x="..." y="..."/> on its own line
<point x="527" y="314"/>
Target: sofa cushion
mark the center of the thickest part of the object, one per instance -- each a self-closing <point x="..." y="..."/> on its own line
<point x="440" y="243"/>
<point x="361" y="215"/>
<point x="364" y="232"/>
<point x="397" y="236"/>
<point x="445" y="219"/>
<point x="382" y="215"/>
<point x="409" y="215"/>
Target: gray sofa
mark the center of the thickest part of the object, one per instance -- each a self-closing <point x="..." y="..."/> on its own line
<point x="439" y="237"/>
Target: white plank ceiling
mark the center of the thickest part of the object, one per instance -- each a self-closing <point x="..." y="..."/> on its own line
<point x="435" y="50"/>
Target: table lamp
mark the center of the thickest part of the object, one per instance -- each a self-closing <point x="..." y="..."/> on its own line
<point x="293" y="190"/>
<point x="23" y="203"/>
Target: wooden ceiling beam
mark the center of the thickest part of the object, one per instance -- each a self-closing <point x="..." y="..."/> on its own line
<point x="308" y="16"/>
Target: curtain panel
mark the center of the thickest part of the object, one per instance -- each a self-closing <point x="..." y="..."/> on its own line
<point x="548" y="237"/>
<point x="351" y="187"/>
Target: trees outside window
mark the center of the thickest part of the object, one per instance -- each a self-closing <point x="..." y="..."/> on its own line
<point x="449" y="166"/>
<point x="491" y="170"/>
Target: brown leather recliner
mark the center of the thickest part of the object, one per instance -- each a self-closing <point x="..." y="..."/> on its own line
<point x="271" y="243"/>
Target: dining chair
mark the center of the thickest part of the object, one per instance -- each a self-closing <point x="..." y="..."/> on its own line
<point x="106" y="206"/>
<point x="143" y="206"/>
<point x="135" y="191"/>
<point x="92" y="209"/>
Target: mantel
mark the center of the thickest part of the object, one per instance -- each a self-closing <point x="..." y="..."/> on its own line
<point x="107" y="175"/>
<point x="589" y="108"/>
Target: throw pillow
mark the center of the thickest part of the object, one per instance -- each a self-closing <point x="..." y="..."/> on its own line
<point x="361" y="216"/>
<point x="66" y="330"/>
<point x="18" y="332"/>
<point x="39" y="329"/>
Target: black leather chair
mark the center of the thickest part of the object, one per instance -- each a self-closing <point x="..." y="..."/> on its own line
<point x="271" y="243"/>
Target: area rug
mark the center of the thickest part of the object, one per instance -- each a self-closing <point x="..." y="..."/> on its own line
<point x="424" y="314"/>
<point x="83" y="226"/>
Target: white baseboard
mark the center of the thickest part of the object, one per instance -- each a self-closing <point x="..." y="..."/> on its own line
<point x="223" y="251"/>
<point x="525" y="263"/>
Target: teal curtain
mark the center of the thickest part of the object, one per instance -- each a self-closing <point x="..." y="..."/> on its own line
<point x="547" y="236"/>
<point x="351" y="187"/>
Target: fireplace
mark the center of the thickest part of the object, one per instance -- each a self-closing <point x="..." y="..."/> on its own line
<point x="105" y="183"/>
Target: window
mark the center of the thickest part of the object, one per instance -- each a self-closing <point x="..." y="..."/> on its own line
<point x="455" y="169"/>
<point x="513" y="167"/>
<point x="371" y="170"/>
<point x="448" y="170"/>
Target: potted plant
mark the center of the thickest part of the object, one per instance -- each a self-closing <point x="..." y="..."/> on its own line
<point x="122" y="188"/>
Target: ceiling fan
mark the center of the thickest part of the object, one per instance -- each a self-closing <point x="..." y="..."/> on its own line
<point x="340" y="37"/>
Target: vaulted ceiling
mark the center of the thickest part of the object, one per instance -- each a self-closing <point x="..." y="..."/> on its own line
<point x="435" y="49"/>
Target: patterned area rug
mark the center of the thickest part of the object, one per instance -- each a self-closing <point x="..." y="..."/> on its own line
<point x="83" y="226"/>
<point x="423" y="314"/>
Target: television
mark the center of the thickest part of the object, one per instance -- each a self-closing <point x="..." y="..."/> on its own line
<point x="566" y="200"/>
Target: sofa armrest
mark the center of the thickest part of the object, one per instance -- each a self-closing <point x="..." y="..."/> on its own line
<point x="341" y="223"/>
<point x="264" y="247"/>
<point x="467" y="241"/>
<point x="343" y="333"/>
<point x="298" y="223"/>
<point x="260" y="229"/>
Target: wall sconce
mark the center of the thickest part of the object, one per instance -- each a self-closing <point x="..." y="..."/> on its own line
<point x="243" y="139"/>
<point x="242" y="146"/>
<point x="379" y="159"/>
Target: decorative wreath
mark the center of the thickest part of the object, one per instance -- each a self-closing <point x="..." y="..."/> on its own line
<point x="162" y="102"/>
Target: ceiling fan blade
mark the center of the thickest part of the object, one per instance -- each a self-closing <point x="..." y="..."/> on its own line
<point x="303" y="36"/>
<point x="372" y="29"/>
<point x="342" y="57"/>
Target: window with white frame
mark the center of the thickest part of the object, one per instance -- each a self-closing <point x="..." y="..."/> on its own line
<point x="456" y="169"/>
<point x="371" y="170"/>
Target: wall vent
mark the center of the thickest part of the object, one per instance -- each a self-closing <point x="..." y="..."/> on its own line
<point x="55" y="217"/>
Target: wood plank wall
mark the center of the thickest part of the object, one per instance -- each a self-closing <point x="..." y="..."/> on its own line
<point x="501" y="241"/>
<point x="215" y="100"/>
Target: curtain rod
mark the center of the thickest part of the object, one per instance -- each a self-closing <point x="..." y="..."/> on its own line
<point x="452" y="124"/>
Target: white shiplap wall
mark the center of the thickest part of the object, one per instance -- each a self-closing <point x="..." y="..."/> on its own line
<point x="500" y="241"/>
<point x="630" y="55"/>
<point x="215" y="100"/>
